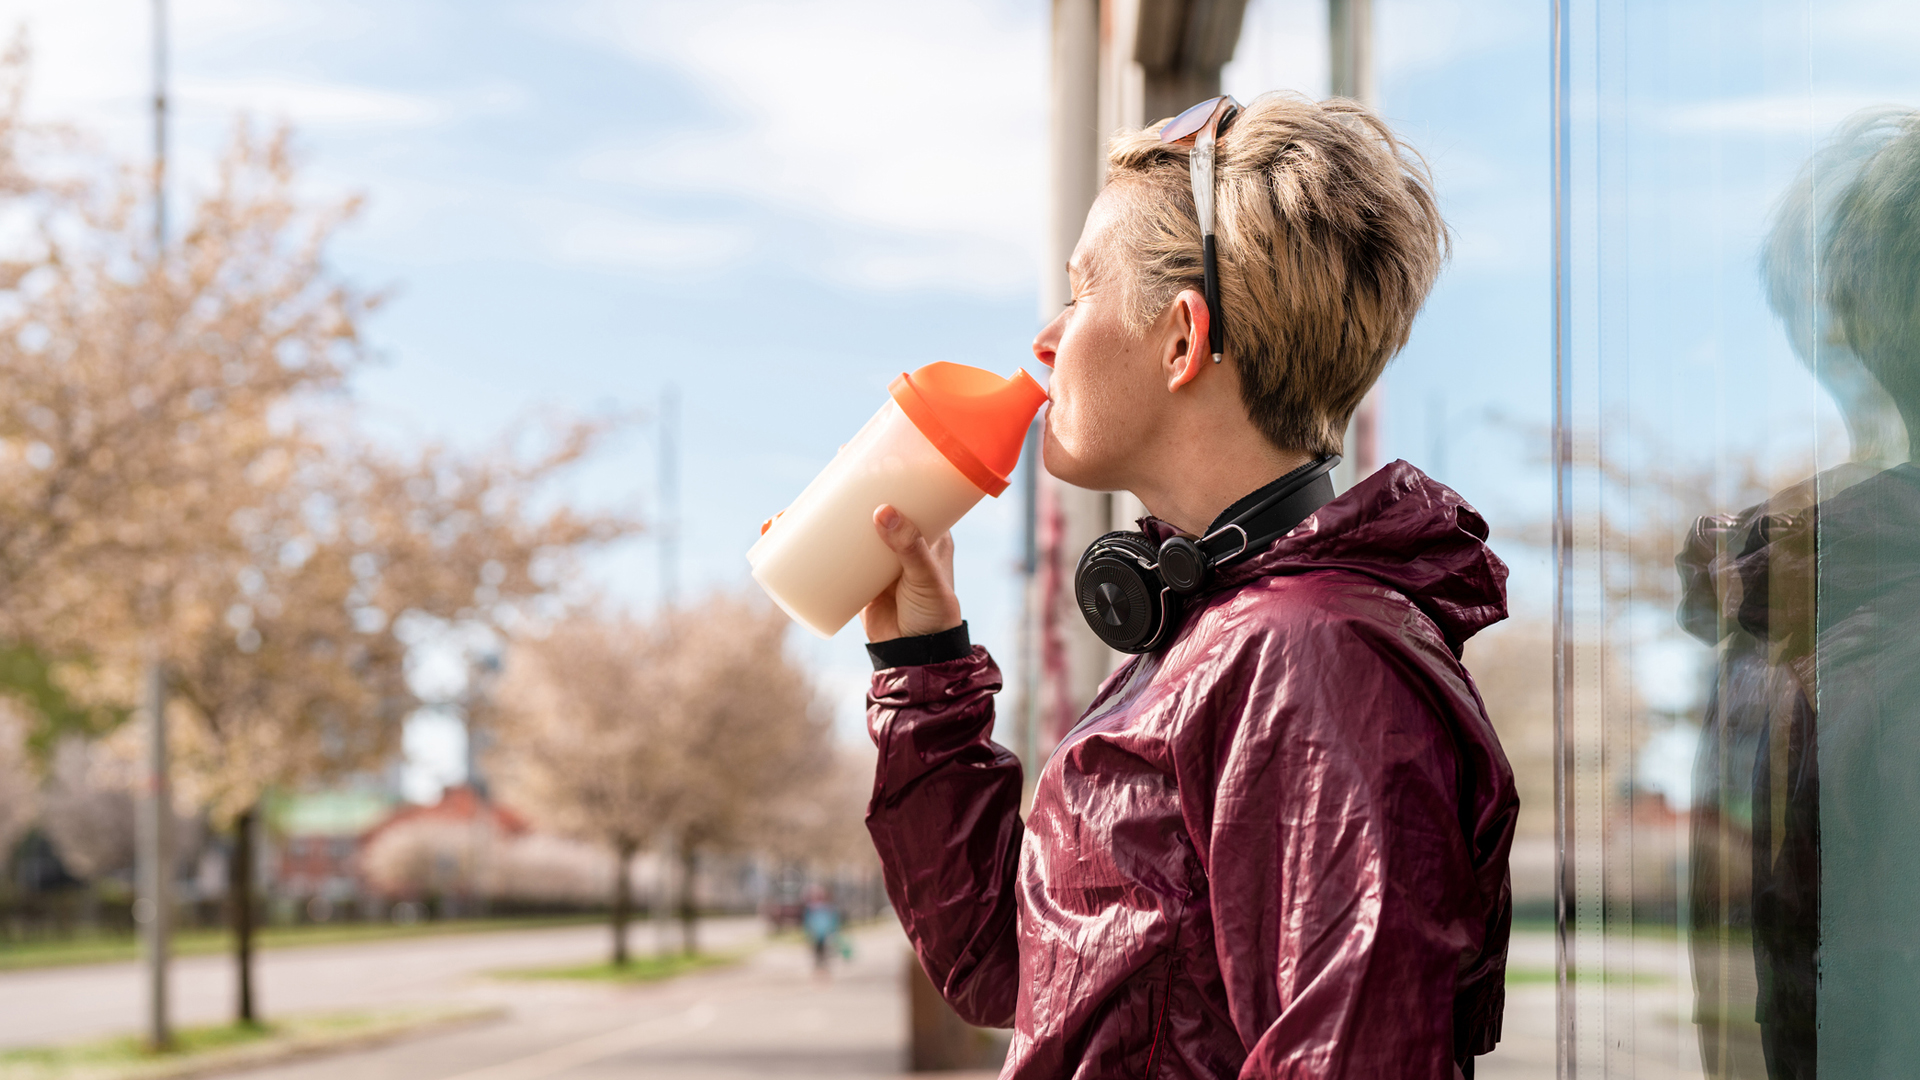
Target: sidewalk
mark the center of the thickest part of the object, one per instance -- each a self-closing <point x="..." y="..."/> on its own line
<point x="769" y="1017"/>
<point x="1528" y="1036"/>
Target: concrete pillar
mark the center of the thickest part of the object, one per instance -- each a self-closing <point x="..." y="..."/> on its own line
<point x="1350" y="44"/>
<point x="1116" y="64"/>
<point x="1181" y="45"/>
<point x="938" y="1040"/>
<point x="1350" y="40"/>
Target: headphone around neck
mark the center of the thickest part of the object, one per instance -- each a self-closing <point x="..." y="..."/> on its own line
<point x="1132" y="593"/>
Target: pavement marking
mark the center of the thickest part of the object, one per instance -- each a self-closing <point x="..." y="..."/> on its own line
<point x="572" y="1055"/>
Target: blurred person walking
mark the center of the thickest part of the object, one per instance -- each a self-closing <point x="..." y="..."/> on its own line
<point x="1276" y="843"/>
<point x="821" y="919"/>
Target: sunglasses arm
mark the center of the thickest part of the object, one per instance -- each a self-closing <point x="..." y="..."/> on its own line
<point x="1200" y="167"/>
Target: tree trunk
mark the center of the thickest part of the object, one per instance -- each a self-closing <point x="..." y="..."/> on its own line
<point x="240" y="911"/>
<point x="623" y="850"/>
<point x="688" y="914"/>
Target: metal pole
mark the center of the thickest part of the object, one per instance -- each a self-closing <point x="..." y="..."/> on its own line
<point x="155" y="905"/>
<point x="156" y="867"/>
<point x="1564" y="835"/>
<point x="668" y="526"/>
<point x="159" y="129"/>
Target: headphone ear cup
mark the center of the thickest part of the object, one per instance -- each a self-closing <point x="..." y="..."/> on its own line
<point x="1183" y="566"/>
<point x="1124" y="601"/>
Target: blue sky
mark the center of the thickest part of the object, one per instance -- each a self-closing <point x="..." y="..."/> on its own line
<point x="777" y="206"/>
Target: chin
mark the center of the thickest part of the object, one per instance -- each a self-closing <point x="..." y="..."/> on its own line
<point x="1069" y="467"/>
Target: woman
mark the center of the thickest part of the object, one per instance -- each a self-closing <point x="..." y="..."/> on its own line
<point x="1276" y="844"/>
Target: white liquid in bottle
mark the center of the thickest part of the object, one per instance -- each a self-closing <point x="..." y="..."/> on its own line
<point x="948" y="435"/>
<point x="822" y="559"/>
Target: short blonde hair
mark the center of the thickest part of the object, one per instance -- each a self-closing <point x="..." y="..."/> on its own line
<point x="1329" y="238"/>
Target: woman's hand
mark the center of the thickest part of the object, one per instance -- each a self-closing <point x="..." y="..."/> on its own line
<point x="921" y="601"/>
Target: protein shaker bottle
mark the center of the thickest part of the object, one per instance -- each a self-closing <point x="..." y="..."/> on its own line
<point x="947" y="435"/>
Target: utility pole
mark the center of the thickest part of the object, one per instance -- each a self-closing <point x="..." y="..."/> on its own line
<point x="159" y="130"/>
<point x="154" y="907"/>
<point x="155" y="903"/>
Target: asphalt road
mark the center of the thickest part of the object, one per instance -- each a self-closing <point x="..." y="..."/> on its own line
<point x="53" y="1005"/>
<point x="768" y="1017"/>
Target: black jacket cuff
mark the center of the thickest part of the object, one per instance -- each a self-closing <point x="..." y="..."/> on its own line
<point x="924" y="649"/>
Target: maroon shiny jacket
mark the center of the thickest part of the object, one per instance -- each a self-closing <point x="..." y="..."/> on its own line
<point x="1275" y="848"/>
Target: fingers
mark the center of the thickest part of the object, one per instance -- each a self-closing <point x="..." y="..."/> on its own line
<point x="922" y="600"/>
<point x="880" y="619"/>
<point x="942" y="546"/>
<point x="918" y="561"/>
<point x="902" y="535"/>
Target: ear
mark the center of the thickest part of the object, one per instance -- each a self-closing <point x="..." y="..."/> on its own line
<point x="1187" y="349"/>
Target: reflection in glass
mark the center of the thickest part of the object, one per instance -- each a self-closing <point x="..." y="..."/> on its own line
<point x="1804" y="891"/>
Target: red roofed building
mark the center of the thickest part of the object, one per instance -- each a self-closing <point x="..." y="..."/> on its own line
<point x="460" y="804"/>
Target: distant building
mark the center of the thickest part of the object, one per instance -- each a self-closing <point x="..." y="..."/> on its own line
<point x="318" y="837"/>
<point x="458" y="804"/>
<point x="458" y="853"/>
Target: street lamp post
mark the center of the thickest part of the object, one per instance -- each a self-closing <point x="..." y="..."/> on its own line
<point x="154" y="908"/>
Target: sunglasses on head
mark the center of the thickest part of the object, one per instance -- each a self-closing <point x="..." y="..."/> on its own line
<point x="1203" y="124"/>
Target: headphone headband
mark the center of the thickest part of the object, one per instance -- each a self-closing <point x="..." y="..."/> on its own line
<point x="1276" y="509"/>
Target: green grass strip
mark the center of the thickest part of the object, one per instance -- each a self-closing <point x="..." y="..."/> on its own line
<point x="109" y="949"/>
<point x="639" y="969"/>
<point x="224" y="1046"/>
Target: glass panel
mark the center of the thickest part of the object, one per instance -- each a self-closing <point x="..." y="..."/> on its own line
<point x="1738" y="537"/>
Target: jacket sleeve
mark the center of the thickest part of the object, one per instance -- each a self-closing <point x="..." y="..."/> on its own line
<point x="1347" y="907"/>
<point x="945" y="819"/>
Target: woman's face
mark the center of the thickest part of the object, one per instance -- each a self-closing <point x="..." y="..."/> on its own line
<point x="1107" y="389"/>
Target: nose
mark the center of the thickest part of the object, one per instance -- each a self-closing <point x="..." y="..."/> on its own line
<point x="1048" y="342"/>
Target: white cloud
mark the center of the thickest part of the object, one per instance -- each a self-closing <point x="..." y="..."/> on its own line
<point x="1768" y="114"/>
<point x="912" y="261"/>
<point x="924" y="124"/>
<point x="875" y="145"/>
<point x="312" y="104"/>
<point x="93" y="66"/>
<point x="596" y="236"/>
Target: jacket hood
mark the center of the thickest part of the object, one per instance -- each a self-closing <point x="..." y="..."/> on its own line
<point x="1402" y="528"/>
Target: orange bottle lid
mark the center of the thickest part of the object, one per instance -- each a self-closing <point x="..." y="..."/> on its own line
<point x="976" y="419"/>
